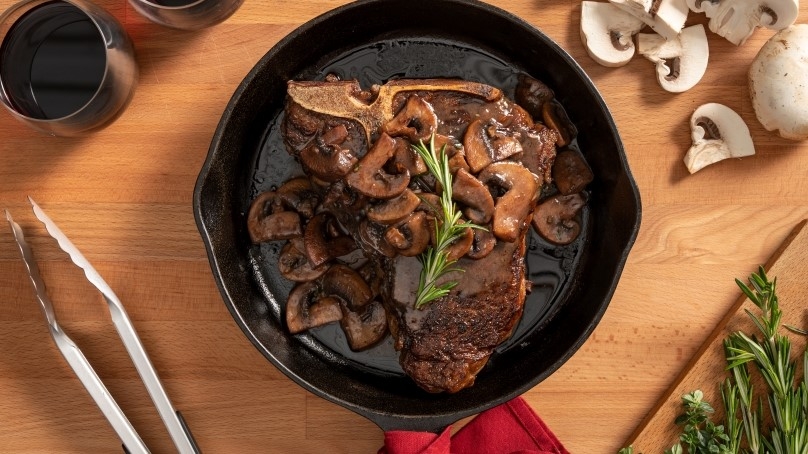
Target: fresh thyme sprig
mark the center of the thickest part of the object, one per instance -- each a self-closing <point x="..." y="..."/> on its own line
<point x="448" y="228"/>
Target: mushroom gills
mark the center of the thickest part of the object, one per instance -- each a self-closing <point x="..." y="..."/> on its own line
<point x="666" y="17"/>
<point x="607" y="31"/>
<point x="718" y="133"/>
<point x="736" y="20"/>
<point x="680" y="62"/>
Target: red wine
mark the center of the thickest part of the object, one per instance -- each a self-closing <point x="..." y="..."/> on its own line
<point x="52" y="61"/>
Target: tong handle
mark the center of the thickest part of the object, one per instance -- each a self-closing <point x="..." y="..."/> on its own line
<point x="103" y="399"/>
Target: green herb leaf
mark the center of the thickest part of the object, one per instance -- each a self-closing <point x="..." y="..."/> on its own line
<point x="448" y="228"/>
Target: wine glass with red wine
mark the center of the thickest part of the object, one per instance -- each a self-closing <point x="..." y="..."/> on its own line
<point x="187" y="14"/>
<point x="67" y="67"/>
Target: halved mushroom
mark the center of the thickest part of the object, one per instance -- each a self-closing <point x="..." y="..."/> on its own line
<point x="411" y="237"/>
<point x="556" y="218"/>
<point x="306" y="308"/>
<point x="394" y="210"/>
<point x="407" y="159"/>
<point x="294" y="264"/>
<point x="472" y="193"/>
<point x="371" y="237"/>
<point x="607" y="31"/>
<point x="736" y="20"/>
<point x="487" y="143"/>
<point x="416" y="120"/>
<point x="718" y="133"/>
<point x="366" y="327"/>
<point x="348" y="285"/>
<point x="531" y="94"/>
<point x="680" y="61"/>
<point x="666" y="17"/>
<point x="369" y="176"/>
<point x="461" y="246"/>
<point x="483" y="243"/>
<point x="323" y="241"/>
<point x="555" y="117"/>
<point x="475" y="147"/>
<point x="300" y="195"/>
<point x="325" y="158"/>
<point x="512" y="208"/>
<point x="267" y="220"/>
<point x="571" y="172"/>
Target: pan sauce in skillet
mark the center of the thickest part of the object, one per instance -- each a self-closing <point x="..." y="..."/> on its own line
<point x="548" y="266"/>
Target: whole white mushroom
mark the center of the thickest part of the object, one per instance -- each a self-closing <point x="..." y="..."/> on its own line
<point x="778" y="83"/>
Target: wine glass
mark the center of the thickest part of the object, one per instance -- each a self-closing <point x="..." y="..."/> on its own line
<point x="67" y="67"/>
<point x="186" y="14"/>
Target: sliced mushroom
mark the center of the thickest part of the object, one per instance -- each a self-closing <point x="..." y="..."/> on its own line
<point x="407" y="159"/>
<point x="369" y="176"/>
<point x="461" y="246"/>
<point x="736" y="20"/>
<point x="680" y="61"/>
<point x="371" y="236"/>
<point x="556" y="218"/>
<point x="410" y="237"/>
<point x="267" y="220"/>
<point x="556" y="118"/>
<point x="306" y="308"/>
<point x="348" y="285"/>
<point x="718" y="133"/>
<point x="666" y="17"/>
<point x="483" y="243"/>
<point x="571" y="172"/>
<point x="366" y="327"/>
<point x="294" y="264"/>
<point x="394" y="210"/>
<point x="513" y="208"/>
<point x="531" y="94"/>
<point x="300" y="195"/>
<point x="416" y="120"/>
<point x="320" y="241"/>
<point x="475" y="146"/>
<point x="503" y="144"/>
<point x="454" y="151"/>
<point x="607" y="31"/>
<point x="473" y="194"/>
<point x="325" y="158"/>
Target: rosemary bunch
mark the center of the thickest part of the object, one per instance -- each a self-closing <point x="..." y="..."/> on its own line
<point x="786" y="396"/>
<point x="448" y="228"/>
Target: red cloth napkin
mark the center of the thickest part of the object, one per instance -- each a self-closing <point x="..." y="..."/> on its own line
<point x="511" y="428"/>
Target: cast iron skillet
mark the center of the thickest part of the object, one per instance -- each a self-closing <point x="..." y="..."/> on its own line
<point x="374" y="40"/>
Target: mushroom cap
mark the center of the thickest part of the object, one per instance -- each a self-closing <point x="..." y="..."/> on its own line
<point x="266" y="220"/>
<point x="778" y="83"/>
<point x="607" y="31"/>
<point x="369" y="176"/>
<point x="366" y="327"/>
<point x="666" y="17"/>
<point x="512" y="209"/>
<point x="394" y="210"/>
<point x="718" y="133"/>
<point x="306" y="308"/>
<point x="680" y="62"/>
<point x="294" y="265"/>
<point x="473" y="194"/>
<point x="737" y="20"/>
<point x="342" y="281"/>
<point x="556" y="218"/>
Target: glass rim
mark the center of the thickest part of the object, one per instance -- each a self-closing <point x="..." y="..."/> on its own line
<point x="168" y="7"/>
<point x="90" y="11"/>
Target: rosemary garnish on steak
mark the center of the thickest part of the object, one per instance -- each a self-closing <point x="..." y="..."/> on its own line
<point x="448" y="228"/>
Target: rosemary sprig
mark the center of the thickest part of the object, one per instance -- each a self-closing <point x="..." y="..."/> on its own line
<point x="434" y="260"/>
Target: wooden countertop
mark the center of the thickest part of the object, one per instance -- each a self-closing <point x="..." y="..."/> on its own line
<point x="124" y="196"/>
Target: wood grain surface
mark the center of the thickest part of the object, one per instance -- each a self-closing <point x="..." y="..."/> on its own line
<point x="124" y="195"/>
<point x="708" y="365"/>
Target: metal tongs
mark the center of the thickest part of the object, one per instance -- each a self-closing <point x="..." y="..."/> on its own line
<point x="132" y="443"/>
